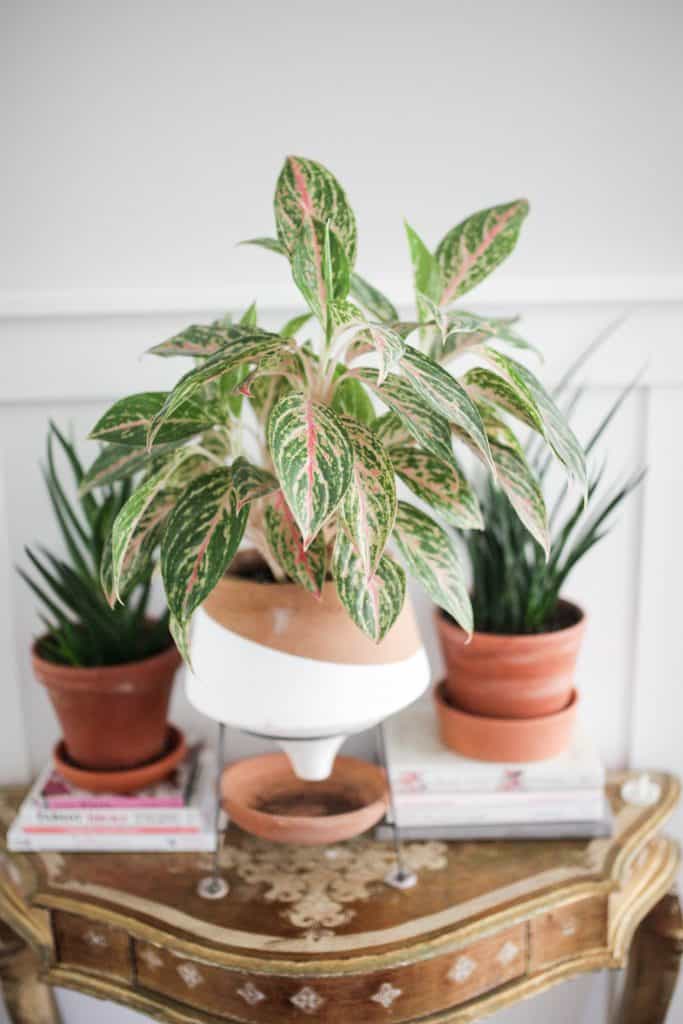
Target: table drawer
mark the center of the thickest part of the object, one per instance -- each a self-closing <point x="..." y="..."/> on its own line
<point x="91" y="946"/>
<point x="568" y="931"/>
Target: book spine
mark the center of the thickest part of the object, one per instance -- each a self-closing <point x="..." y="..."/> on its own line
<point x="199" y="842"/>
<point x="509" y="812"/>
<point x="404" y="781"/>
<point x="76" y="803"/>
<point x="95" y="818"/>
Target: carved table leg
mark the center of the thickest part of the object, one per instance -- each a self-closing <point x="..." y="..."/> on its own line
<point x="27" y="998"/>
<point x="653" y="963"/>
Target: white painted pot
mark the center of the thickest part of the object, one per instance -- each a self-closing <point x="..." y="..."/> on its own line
<point x="272" y="660"/>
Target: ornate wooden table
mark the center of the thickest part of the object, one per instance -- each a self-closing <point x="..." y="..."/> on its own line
<point x="315" y="934"/>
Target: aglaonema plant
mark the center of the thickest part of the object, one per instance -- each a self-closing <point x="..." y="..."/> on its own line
<point x="316" y="493"/>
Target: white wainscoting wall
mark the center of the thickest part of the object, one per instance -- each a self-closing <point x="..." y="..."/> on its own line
<point x="68" y="365"/>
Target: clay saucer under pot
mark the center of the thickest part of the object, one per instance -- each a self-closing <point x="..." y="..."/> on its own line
<point x="504" y="739"/>
<point x="263" y="796"/>
<point x="125" y="780"/>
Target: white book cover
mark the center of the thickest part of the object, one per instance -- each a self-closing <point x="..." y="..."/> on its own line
<point x="419" y="763"/>
<point x="511" y="812"/>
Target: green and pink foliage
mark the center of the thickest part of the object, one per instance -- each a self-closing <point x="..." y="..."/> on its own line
<point x="297" y="440"/>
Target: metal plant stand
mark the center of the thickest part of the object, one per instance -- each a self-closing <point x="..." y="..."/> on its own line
<point x="399" y="877"/>
<point x="214" y="886"/>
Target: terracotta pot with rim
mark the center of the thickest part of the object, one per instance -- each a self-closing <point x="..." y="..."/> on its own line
<point x="509" y="676"/>
<point x="271" y="659"/>
<point x="113" y="716"/>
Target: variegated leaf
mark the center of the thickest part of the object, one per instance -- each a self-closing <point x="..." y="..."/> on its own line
<point x="107" y="573"/>
<point x="341" y="312"/>
<point x="320" y="268"/>
<point x="201" y="539"/>
<point x="312" y="459"/>
<point x="251" y="482"/>
<point x="136" y="529"/>
<point x="293" y="326"/>
<point x="427" y="427"/>
<point x="180" y="631"/>
<point x="118" y="462"/>
<point x="373" y="603"/>
<point x="391" y="430"/>
<point x="430" y="554"/>
<point x="272" y="244"/>
<point x="305" y="191"/>
<point x="446" y="396"/>
<point x="491" y="387"/>
<point x="372" y="299"/>
<point x="128" y="421"/>
<point x="200" y="340"/>
<point x="304" y="566"/>
<point x="440" y="485"/>
<point x="350" y="397"/>
<point x="555" y="428"/>
<point x="465" y="331"/>
<point x="516" y="478"/>
<point x="248" y="350"/>
<point x="381" y="339"/>
<point x="475" y="247"/>
<point x="426" y="272"/>
<point x="368" y="508"/>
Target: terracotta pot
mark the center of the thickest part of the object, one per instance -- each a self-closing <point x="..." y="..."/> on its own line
<point x="113" y="716"/>
<point x="263" y="796"/>
<point x="504" y="739"/>
<point x="512" y="676"/>
<point x="306" y="675"/>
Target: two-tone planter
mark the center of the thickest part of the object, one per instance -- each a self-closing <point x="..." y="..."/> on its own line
<point x="510" y="698"/>
<point x="272" y="660"/>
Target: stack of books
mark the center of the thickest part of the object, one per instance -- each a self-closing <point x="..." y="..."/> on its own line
<point x="440" y="795"/>
<point x="176" y="814"/>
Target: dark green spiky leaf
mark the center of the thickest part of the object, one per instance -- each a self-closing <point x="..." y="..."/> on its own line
<point x="251" y="482"/>
<point x="248" y="350"/>
<point x="368" y="508"/>
<point x="249" y="318"/>
<point x="350" y="397"/>
<point x="117" y="462"/>
<point x="307" y="567"/>
<point x="491" y="387"/>
<point x="372" y="299"/>
<point x="373" y="603"/>
<point x="293" y="326"/>
<point x="430" y="555"/>
<point x="272" y="244"/>
<point x="446" y="396"/>
<point x="128" y="421"/>
<point x="440" y="485"/>
<point x="476" y="246"/>
<point x="306" y="190"/>
<point x="392" y="431"/>
<point x="427" y="427"/>
<point x="200" y="340"/>
<point x="555" y="428"/>
<point x="426" y="272"/>
<point x="201" y="539"/>
<point x="312" y="459"/>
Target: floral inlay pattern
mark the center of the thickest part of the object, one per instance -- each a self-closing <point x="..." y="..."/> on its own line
<point x="508" y="953"/>
<point x="386" y="994"/>
<point x="307" y="1000"/>
<point x="251" y="995"/>
<point x="462" y="969"/>
<point x="190" y="974"/>
<point x="318" y="884"/>
<point x="151" y="958"/>
<point x="96" y="939"/>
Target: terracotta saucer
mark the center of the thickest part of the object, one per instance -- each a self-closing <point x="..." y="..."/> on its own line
<point x="504" y="739"/>
<point x="125" y="780"/>
<point x="263" y="796"/>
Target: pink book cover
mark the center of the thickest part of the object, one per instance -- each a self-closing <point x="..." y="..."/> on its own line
<point x="56" y="793"/>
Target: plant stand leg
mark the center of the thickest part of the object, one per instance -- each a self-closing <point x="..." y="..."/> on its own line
<point x="653" y="964"/>
<point x="400" y="877"/>
<point x="27" y="998"/>
<point x="213" y="887"/>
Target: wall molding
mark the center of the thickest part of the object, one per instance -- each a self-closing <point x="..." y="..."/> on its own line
<point x="518" y="290"/>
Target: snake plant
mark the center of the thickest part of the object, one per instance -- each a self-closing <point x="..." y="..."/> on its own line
<point x="82" y="627"/>
<point x="276" y="439"/>
<point x="516" y="588"/>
